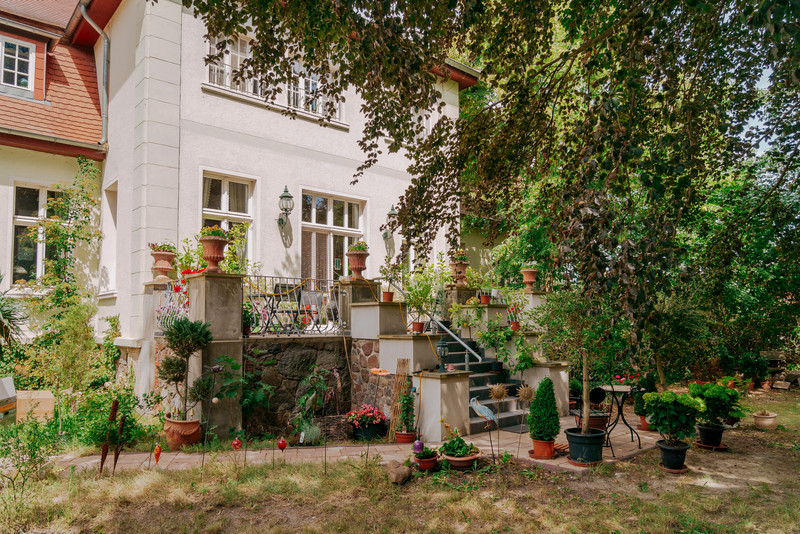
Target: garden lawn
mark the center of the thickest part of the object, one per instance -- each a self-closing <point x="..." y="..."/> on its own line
<point x="754" y="487"/>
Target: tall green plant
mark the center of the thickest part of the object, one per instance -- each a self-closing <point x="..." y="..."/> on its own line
<point x="12" y="317"/>
<point x="543" y="421"/>
<point x="405" y="422"/>
<point x="184" y="338"/>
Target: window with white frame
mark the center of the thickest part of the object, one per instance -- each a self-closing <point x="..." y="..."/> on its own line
<point x="221" y="72"/>
<point x="29" y="254"/>
<point x="17" y="67"/>
<point x="330" y="225"/>
<point x="302" y="93"/>
<point x="226" y="201"/>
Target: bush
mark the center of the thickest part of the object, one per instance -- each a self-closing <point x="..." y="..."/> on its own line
<point x="543" y="421"/>
<point x="646" y="385"/>
<point x="673" y="416"/>
<point x="722" y="403"/>
<point x="90" y="425"/>
<point x="24" y="451"/>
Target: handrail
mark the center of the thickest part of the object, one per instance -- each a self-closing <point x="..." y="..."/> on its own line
<point x="468" y="350"/>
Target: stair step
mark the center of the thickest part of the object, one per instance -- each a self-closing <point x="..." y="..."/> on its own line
<point x="484" y="379"/>
<point x="475" y="367"/>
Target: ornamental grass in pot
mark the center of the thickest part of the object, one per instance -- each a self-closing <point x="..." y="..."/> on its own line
<point x="456" y="451"/>
<point x="184" y="338"/>
<point x="722" y="403"/>
<point x="674" y="417"/>
<point x="543" y="421"/>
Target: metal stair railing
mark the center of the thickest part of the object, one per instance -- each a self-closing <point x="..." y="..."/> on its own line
<point x="460" y="341"/>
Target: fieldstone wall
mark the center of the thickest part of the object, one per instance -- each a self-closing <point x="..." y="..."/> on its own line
<point x="284" y="363"/>
<point x="369" y="388"/>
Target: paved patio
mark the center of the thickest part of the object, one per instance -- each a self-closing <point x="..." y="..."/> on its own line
<point x="514" y="443"/>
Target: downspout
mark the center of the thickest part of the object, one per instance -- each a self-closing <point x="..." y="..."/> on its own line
<point x="106" y="68"/>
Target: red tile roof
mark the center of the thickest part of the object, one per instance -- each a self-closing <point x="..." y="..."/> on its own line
<point x="53" y="12"/>
<point x="71" y="109"/>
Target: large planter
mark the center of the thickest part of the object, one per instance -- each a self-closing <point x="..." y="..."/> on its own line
<point x="599" y="422"/>
<point x="543" y="450"/>
<point x="162" y="264"/>
<point x="673" y="458"/>
<point x="459" y="271"/>
<point x="182" y="433"/>
<point x="427" y="464"/>
<point x="711" y="435"/>
<point x="529" y="278"/>
<point x="585" y="450"/>
<point x="366" y="433"/>
<point x="213" y="252"/>
<point x="766" y="422"/>
<point x="462" y="462"/>
<point x="405" y="437"/>
<point x="357" y="261"/>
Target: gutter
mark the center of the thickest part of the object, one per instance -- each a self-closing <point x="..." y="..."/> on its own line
<point x="53" y="139"/>
<point x="106" y="68"/>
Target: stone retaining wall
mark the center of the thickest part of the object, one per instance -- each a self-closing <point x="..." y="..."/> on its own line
<point x="283" y="363"/>
<point x="369" y="388"/>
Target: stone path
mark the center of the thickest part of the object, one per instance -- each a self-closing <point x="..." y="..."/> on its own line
<point x="509" y="442"/>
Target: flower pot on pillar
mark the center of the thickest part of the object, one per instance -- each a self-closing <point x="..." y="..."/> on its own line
<point x="459" y="272"/>
<point x="357" y="261"/>
<point x="213" y="252"/>
<point x="162" y="264"/>
<point x="529" y="277"/>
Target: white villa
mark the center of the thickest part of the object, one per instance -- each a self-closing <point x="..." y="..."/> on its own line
<point x="180" y="147"/>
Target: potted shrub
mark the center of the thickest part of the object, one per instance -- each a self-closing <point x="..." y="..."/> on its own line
<point x="427" y="459"/>
<point x="405" y="432"/>
<point x="530" y="271"/>
<point x="465" y="317"/>
<point x="249" y="318"/>
<point x="459" y="261"/>
<point x="646" y="385"/>
<point x="357" y="259"/>
<point x="495" y="337"/>
<point x="766" y="420"/>
<point x="214" y="239"/>
<point x="673" y="416"/>
<point x="483" y="281"/>
<point x="543" y="422"/>
<point x="184" y="338"/>
<point x="721" y="404"/>
<point x="366" y="422"/>
<point x="163" y="253"/>
<point x="418" y="287"/>
<point x="456" y="451"/>
<point x="392" y="275"/>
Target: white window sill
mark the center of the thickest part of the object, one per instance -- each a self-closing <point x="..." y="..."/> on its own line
<point x="258" y="101"/>
<point x="107" y="294"/>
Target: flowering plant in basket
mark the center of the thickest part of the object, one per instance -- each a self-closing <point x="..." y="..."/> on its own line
<point x="365" y="416"/>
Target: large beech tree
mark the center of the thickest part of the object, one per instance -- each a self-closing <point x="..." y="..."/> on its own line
<point x="625" y="112"/>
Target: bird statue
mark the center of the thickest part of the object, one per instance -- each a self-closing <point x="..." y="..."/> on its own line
<point x="483" y="411"/>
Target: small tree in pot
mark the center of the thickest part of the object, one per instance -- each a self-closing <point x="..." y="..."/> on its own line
<point x="543" y="422"/>
<point x="405" y="432"/>
<point x="721" y="404"/>
<point x="674" y="417"/>
<point x="184" y="338"/>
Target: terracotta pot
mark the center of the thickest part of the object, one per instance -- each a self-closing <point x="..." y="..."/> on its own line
<point x="459" y="271"/>
<point x="405" y="437"/>
<point x="426" y="464"/>
<point x="417" y="327"/>
<point x="181" y="433"/>
<point x="515" y="326"/>
<point x="388" y="296"/>
<point x="643" y="424"/>
<point x="486" y="299"/>
<point x="162" y="264"/>
<point x="529" y="277"/>
<point x="357" y="261"/>
<point x="213" y="252"/>
<point x="543" y="450"/>
<point x="599" y="422"/>
<point x="462" y="462"/>
<point x="768" y="422"/>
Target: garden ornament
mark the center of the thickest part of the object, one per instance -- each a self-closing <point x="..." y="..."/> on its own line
<point x="237" y="444"/>
<point x="418" y="446"/>
<point x="488" y="415"/>
<point x="157" y="453"/>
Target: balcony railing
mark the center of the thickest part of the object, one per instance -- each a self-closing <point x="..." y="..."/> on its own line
<point x="282" y="305"/>
<point x="171" y="303"/>
<point x="222" y="76"/>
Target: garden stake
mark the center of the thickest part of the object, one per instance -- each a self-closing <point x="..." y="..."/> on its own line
<point x="151" y="452"/>
<point x="214" y="370"/>
<point x="112" y="416"/>
<point x="526" y="395"/>
<point x="273" y="453"/>
<point x="118" y="446"/>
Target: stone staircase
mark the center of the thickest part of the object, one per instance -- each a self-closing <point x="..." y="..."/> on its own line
<point x="479" y="385"/>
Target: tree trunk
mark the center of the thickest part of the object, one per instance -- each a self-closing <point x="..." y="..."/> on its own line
<point x="660" y="371"/>
<point x="586" y="409"/>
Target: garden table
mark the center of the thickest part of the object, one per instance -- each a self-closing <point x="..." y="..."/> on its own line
<point x="618" y="396"/>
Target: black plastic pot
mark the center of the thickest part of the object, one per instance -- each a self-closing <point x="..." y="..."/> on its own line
<point x="585" y="449"/>
<point x="446" y="324"/>
<point x="710" y="435"/>
<point x="673" y="458"/>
